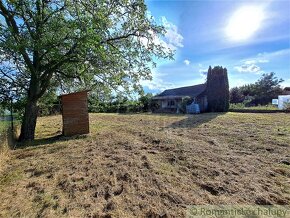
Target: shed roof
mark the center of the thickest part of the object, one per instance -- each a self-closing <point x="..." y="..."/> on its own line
<point x="73" y="93"/>
<point x="191" y="91"/>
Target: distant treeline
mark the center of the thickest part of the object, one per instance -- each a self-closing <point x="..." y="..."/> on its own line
<point x="121" y="104"/>
<point x="259" y="93"/>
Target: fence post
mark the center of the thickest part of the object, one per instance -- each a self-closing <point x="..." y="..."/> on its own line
<point x="11" y="115"/>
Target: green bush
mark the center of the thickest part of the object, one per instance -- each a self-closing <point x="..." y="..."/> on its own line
<point x="237" y="106"/>
<point x="287" y="106"/>
<point x="184" y="102"/>
<point x="154" y="106"/>
<point x="120" y="104"/>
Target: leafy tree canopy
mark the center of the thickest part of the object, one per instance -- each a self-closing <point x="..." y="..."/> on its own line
<point x="74" y="44"/>
<point x="236" y="96"/>
<point x="264" y="90"/>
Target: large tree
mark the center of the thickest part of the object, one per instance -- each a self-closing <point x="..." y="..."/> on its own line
<point x="267" y="88"/>
<point x="264" y="90"/>
<point x="217" y="89"/>
<point x="46" y="43"/>
<point x="236" y="96"/>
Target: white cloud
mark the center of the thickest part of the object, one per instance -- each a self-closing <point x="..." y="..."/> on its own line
<point x="266" y="57"/>
<point x="187" y="62"/>
<point x="263" y="61"/>
<point x="254" y="61"/>
<point x="172" y="37"/>
<point x="171" y="40"/>
<point x="249" y="68"/>
<point x="203" y="73"/>
<point x="157" y="83"/>
<point x="250" y="62"/>
<point x="250" y="65"/>
<point x="279" y="53"/>
<point x="203" y="70"/>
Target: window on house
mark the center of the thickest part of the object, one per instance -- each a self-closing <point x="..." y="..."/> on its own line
<point x="170" y="103"/>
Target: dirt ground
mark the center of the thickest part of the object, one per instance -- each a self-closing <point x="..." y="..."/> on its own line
<point x="146" y="165"/>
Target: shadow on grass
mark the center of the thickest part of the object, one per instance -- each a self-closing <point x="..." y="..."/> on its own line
<point x="194" y="121"/>
<point x="47" y="141"/>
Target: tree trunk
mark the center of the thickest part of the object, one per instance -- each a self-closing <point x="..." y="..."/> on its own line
<point x="29" y="121"/>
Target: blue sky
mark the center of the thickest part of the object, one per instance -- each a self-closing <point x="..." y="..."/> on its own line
<point x="249" y="38"/>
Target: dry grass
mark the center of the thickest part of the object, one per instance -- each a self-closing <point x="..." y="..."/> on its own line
<point x="4" y="148"/>
<point x="149" y="165"/>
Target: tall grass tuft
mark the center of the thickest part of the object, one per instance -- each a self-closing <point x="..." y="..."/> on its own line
<point x="4" y="145"/>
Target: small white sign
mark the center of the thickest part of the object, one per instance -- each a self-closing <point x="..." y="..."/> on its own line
<point x="275" y="101"/>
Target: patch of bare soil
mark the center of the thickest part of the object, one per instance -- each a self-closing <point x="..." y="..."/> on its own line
<point x="149" y="166"/>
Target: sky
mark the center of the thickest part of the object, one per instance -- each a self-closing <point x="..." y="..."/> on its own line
<point x="249" y="38"/>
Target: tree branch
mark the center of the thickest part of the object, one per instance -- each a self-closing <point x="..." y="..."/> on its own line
<point x="120" y="37"/>
<point x="13" y="25"/>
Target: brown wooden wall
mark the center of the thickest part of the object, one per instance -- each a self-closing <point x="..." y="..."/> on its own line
<point x="75" y="115"/>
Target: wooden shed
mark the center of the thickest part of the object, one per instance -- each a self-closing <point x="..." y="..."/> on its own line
<point x="75" y="114"/>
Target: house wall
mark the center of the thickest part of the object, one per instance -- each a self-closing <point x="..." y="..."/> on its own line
<point x="166" y="103"/>
<point x="165" y="108"/>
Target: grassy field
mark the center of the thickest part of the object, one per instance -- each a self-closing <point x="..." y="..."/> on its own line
<point x="149" y="166"/>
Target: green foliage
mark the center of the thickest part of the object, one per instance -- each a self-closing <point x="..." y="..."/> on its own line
<point x="248" y="101"/>
<point x="18" y="107"/>
<point x="263" y="91"/>
<point x="217" y="89"/>
<point x="236" y="96"/>
<point x="78" y="44"/>
<point x="185" y="101"/>
<point x="286" y="106"/>
<point x="145" y="101"/>
<point x="267" y="88"/>
<point x="259" y="107"/>
<point x="3" y="126"/>
<point x="154" y="106"/>
<point x="120" y="104"/>
<point x="49" y="103"/>
<point x="74" y="45"/>
<point x="237" y="106"/>
<point x="98" y="100"/>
